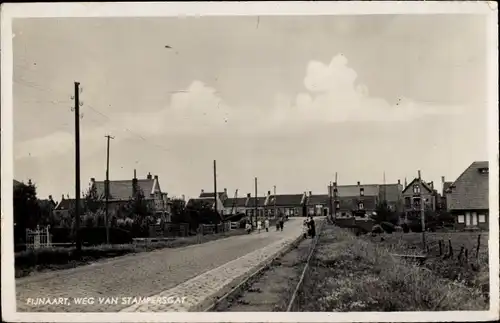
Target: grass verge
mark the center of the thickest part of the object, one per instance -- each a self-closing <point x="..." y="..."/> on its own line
<point x="351" y="274"/>
<point x="31" y="261"/>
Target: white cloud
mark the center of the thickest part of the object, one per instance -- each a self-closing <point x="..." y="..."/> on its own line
<point x="333" y="95"/>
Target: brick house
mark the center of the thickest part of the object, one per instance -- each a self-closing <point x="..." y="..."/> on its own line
<point x="318" y="204"/>
<point x="417" y="194"/>
<point x="393" y="195"/>
<point x="356" y="200"/>
<point x="467" y="198"/>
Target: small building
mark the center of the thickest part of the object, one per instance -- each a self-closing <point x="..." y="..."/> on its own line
<point x="253" y="203"/>
<point x="318" y="204"/>
<point x="393" y="195"/>
<point x="357" y="200"/>
<point x="468" y="197"/>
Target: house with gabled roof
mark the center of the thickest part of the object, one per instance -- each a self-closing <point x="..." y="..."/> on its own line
<point x="355" y="200"/>
<point x="419" y="194"/>
<point x="318" y="204"/>
<point x="122" y="191"/>
<point x="468" y="197"/>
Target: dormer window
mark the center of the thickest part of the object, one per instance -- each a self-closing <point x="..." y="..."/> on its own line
<point x="362" y="192"/>
<point x="416" y="189"/>
<point x="361" y="206"/>
<point x="484" y="170"/>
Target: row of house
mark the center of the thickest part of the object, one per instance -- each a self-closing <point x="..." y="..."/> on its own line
<point x="466" y="198"/>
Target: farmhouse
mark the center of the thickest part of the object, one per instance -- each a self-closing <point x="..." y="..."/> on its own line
<point x="467" y="198"/>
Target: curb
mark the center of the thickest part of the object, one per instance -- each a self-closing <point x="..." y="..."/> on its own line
<point x="242" y="281"/>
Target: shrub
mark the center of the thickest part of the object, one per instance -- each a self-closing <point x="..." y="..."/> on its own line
<point x="406" y="228"/>
<point x="377" y="229"/>
<point x="388" y="227"/>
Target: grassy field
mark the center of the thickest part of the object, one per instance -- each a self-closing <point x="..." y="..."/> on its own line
<point x="49" y="259"/>
<point x="350" y="273"/>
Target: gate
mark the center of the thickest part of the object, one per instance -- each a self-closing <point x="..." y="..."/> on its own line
<point x="39" y="238"/>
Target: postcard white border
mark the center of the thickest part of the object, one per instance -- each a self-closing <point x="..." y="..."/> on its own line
<point x="163" y="9"/>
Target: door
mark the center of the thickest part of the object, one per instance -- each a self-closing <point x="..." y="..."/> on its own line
<point x="467" y="219"/>
<point x="474" y="218"/>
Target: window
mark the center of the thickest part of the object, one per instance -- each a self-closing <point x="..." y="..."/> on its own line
<point x="416" y="189"/>
<point x="416" y="202"/>
<point x="311" y="210"/>
<point x="482" y="218"/>
<point x="407" y="201"/>
<point x="361" y="206"/>
<point x="461" y="218"/>
<point x="362" y="191"/>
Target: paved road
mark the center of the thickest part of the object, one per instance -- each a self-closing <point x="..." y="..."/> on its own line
<point x="139" y="275"/>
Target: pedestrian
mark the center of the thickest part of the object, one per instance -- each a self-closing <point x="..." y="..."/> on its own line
<point x="305" y="229"/>
<point x="259" y="225"/>
<point x="282" y="222"/>
<point x="277" y="224"/>
<point x="266" y="224"/>
<point x="312" y="226"/>
<point x="248" y="227"/>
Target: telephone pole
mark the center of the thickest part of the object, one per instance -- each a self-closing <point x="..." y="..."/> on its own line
<point x="274" y="206"/>
<point x="255" y="200"/>
<point x="106" y="221"/>
<point x="422" y="210"/>
<point x="330" y="195"/>
<point x="77" y="168"/>
<point x="215" y="194"/>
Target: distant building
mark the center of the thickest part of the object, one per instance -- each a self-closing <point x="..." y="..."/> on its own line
<point x="468" y="197"/>
<point x="419" y="194"/>
<point x="208" y="199"/>
<point x="286" y="204"/>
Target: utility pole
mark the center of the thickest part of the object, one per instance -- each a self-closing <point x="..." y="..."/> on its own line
<point x="335" y="196"/>
<point x="422" y="210"/>
<point x="274" y="206"/>
<point x="330" y="195"/>
<point x="215" y="194"/>
<point x="255" y="199"/>
<point x="77" y="168"/>
<point x="106" y="218"/>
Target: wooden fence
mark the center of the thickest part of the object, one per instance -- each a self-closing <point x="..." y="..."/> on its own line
<point x="444" y="249"/>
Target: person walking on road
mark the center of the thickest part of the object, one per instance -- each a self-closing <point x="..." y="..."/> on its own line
<point x="266" y="224"/>
<point x="305" y="229"/>
<point x="282" y="222"/>
<point x="312" y="227"/>
<point x="259" y="225"/>
<point x="248" y="227"/>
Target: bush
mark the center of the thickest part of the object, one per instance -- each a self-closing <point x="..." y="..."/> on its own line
<point x="377" y="229"/>
<point x="97" y="236"/>
<point x="398" y="228"/>
<point x="406" y="228"/>
<point x="388" y="227"/>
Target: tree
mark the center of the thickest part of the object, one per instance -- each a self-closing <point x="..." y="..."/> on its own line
<point x="140" y="211"/>
<point x="179" y="214"/>
<point x="385" y="214"/>
<point x="26" y="210"/>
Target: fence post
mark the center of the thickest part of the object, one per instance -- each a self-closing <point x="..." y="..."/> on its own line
<point x="478" y="245"/>
<point x="440" y="248"/>
<point x="451" y="248"/>
<point x="466" y="256"/>
<point x="460" y="254"/>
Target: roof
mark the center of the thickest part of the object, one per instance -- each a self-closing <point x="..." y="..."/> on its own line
<point x="123" y="190"/>
<point x="424" y="184"/>
<point x="287" y="200"/>
<point x="17" y="183"/>
<point x="353" y="190"/>
<point x="260" y="201"/>
<point x="470" y="190"/>
<point x="391" y="192"/>
<point x="237" y="202"/>
<point x="67" y="204"/>
<point x="318" y="199"/>
<point x="205" y="194"/>
<point x="351" y="203"/>
<point x="203" y="200"/>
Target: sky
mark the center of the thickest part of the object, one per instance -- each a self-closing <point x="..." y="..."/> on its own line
<point x="290" y="100"/>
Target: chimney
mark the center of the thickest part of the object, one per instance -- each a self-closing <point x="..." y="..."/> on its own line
<point x="359" y="183"/>
<point x="92" y="180"/>
<point x="135" y="174"/>
<point x="62" y="197"/>
<point x="134" y="185"/>
<point x="431" y="184"/>
<point x="149" y="176"/>
<point x="156" y="177"/>
<point x="183" y="197"/>
<point x="268" y="193"/>
<point x="442" y="180"/>
<point x="419" y="177"/>
<point x="202" y="191"/>
<point x="50" y="197"/>
<point x="399" y="181"/>
<point x="249" y="195"/>
<point x="225" y="191"/>
<point x="310" y="193"/>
